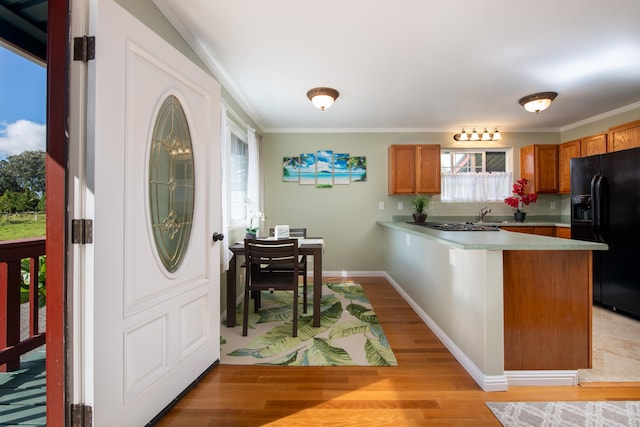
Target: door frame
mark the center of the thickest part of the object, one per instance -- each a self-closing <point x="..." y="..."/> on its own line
<point x="56" y="204"/>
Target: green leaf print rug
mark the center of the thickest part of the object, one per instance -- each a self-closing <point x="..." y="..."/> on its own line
<point x="349" y="333"/>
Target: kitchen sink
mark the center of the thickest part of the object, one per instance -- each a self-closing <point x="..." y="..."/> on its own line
<point x="456" y="226"/>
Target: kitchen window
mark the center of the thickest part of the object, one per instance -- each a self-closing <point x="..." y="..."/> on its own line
<point x="475" y="175"/>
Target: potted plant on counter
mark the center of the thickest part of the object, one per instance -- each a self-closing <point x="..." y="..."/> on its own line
<point x="419" y="203"/>
<point x="521" y="199"/>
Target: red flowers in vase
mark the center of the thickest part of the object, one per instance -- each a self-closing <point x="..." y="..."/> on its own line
<point x="520" y="199"/>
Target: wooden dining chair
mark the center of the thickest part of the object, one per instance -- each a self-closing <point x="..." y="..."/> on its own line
<point x="302" y="267"/>
<point x="260" y="253"/>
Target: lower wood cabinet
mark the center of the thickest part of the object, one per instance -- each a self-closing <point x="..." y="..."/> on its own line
<point x="539" y="230"/>
<point x="547" y="310"/>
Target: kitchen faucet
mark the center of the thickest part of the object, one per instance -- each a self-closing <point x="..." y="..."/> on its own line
<point x="483" y="212"/>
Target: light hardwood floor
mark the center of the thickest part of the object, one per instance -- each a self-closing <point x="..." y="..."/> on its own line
<point x="427" y="388"/>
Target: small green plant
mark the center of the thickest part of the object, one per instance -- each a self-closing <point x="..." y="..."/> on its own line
<point x="41" y="282"/>
<point x="419" y="203"/>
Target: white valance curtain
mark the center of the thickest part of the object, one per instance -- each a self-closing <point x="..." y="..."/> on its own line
<point x="476" y="187"/>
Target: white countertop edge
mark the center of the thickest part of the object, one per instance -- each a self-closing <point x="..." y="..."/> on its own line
<point x="494" y="240"/>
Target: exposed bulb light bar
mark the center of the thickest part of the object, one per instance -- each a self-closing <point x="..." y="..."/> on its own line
<point x="475" y="136"/>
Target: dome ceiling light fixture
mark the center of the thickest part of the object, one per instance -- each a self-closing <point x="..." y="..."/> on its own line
<point x="537" y="101"/>
<point x="475" y="136"/>
<point x="322" y="97"/>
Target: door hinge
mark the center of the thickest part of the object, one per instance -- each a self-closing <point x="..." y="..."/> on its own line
<point x="84" y="48"/>
<point x="81" y="231"/>
<point x="81" y="415"/>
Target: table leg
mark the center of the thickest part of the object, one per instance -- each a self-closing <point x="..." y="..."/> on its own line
<point x="317" y="286"/>
<point x="231" y="293"/>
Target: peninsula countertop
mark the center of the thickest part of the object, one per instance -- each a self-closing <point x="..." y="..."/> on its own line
<point x="494" y="240"/>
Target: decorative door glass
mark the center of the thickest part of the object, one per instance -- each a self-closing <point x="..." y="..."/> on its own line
<point x="171" y="183"/>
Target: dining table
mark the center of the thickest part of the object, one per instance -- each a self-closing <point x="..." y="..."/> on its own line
<point x="310" y="246"/>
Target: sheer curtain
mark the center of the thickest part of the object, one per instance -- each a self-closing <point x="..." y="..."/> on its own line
<point x="253" y="171"/>
<point x="225" y="153"/>
<point x="476" y="187"/>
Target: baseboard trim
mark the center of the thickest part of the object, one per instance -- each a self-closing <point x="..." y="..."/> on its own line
<point x="486" y="382"/>
<point x="542" y="378"/>
<point x="347" y="274"/>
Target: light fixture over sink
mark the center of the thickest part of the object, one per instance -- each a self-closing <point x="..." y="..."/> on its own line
<point x="537" y="101"/>
<point x="475" y="136"/>
<point x="322" y="97"/>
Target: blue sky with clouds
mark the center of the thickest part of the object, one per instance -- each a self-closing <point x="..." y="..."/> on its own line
<point x="23" y="92"/>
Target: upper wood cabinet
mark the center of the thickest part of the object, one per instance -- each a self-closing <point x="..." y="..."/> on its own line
<point x="566" y="152"/>
<point x="624" y="136"/>
<point x="414" y="169"/>
<point x="594" y="144"/>
<point x="539" y="165"/>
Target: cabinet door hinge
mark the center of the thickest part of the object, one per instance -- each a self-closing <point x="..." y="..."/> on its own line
<point x="81" y="231"/>
<point x="84" y="48"/>
<point x="81" y="415"/>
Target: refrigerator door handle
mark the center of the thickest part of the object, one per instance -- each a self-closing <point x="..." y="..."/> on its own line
<point x="595" y="211"/>
<point x="601" y="207"/>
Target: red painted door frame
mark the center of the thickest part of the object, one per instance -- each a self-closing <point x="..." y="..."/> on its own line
<point x="57" y="222"/>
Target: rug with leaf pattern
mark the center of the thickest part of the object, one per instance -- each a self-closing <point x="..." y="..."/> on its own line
<point x="349" y="333"/>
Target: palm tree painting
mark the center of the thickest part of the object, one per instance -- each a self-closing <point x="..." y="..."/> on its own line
<point x="358" y="166"/>
<point x="291" y="169"/>
<point x="341" y="168"/>
<point x="324" y="168"/>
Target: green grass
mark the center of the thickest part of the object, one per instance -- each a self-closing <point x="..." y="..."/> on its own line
<point x="13" y="227"/>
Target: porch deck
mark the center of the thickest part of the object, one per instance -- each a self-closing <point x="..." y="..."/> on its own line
<point x="23" y="392"/>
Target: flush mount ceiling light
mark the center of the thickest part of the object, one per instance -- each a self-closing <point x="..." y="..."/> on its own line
<point x="322" y="97"/>
<point x="537" y="101"/>
<point x="475" y="136"/>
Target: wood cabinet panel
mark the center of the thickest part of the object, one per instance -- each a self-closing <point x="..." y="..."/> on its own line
<point x="563" y="232"/>
<point x="428" y="169"/>
<point x="538" y="230"/>
<point x="539" y="165"/>
<point x="414" y="169"/>
<point x="402" y="169"/>
<point x="624" y="136"/>
<point x="567" y="151"/>
<point x="547" y="309"/>
<point x="520" y="229"/>
<point x="594" y="144"/>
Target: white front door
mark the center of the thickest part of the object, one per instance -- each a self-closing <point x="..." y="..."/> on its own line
<point x="151" y="313"/>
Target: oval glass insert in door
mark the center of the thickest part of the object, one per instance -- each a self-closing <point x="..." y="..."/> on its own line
<point x="171" y="183"/>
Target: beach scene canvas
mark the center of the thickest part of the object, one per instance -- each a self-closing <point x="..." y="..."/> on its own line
<point x="308" y="169"/>
<point x="341" y="173"/>
<point x="358" y="166"/>
<point x="291" y="169"/>
<point x="324" y="169"/>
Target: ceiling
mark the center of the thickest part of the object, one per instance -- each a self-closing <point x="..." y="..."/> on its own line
<point x="406" y="65"/>
<point x="23" y="25"/>
<point x="436" y="65"/>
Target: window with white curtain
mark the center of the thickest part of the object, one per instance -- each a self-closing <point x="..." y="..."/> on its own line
<point x="475" y="175"/>
<point x="237" y="175"/>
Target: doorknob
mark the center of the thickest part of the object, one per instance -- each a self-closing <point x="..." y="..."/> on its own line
<point x="217" y="236"/>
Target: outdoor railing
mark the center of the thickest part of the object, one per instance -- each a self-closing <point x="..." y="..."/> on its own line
<point x="11" y="255"/>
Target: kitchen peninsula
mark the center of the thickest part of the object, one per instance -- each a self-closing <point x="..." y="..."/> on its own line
<point x="513" y="308"/>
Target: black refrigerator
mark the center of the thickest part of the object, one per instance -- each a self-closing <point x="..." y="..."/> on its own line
<point x="605" y="207"/>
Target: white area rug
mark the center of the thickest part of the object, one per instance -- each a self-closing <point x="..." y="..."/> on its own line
<point x="567" y="414"/>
